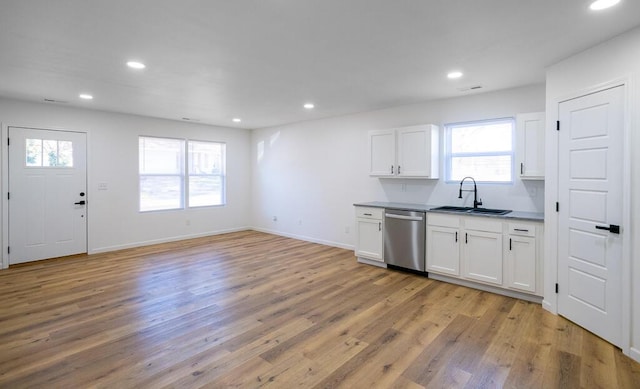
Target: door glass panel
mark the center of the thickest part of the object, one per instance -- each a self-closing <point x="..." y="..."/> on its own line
<point x="65" y="153"/>
<point x="34" y="152"/>
<point x="49" y="153"/>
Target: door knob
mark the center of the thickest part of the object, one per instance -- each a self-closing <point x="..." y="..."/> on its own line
<point x="81" y="202"/>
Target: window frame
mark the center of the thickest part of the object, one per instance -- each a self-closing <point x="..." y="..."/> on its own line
<point x="449" y="155"/>
<point x="185" y="175"/>
<point x="222" y="175"/>
<point x="181" y="175"/>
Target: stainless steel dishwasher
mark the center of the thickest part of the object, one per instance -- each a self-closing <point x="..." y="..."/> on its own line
<point x="404" y="239"/>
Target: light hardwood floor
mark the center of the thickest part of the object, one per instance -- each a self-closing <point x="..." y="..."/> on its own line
<point x="253" y="310"/>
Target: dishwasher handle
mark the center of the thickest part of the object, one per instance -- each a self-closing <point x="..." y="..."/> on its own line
<point x="402" y="217"/>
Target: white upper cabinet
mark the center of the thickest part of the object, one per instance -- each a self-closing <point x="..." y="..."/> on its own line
<point x="530" y="145"/>
<point x="382" y="153"/>
<point x="408" y="152"/>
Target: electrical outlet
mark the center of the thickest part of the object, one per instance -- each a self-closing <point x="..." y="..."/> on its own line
<point x="347" y="230"/>
<point x="187" y="222"/>
<point x="275" y="218"/>
<point x="299" y="222"/>
<point x="102" y="186"/>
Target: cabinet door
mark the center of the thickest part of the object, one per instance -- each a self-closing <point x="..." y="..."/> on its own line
<point x="530" y="145"/>
<point x="413" y="152"/>
<point x="382" y="153"/>
<point x="482" y="257"/>
<point x="443" y="250"/>
<point x="369" y="243"/>
<point x="521" y="263"/>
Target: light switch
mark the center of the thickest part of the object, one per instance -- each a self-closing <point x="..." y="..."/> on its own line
<point x="102" y="186"/>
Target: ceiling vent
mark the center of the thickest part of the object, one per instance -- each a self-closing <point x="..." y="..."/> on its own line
<point x="55" y="101"/>
<point x="469" y="88"/>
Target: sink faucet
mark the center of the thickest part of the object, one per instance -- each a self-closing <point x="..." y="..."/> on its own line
<point x="475" y="192"/>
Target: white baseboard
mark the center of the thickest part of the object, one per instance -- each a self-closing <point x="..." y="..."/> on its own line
<point x="211" y="233"/>
<point x="371" y="262"/>
<point x="634" y="354"/>
<point x="165" y="240"/>
<point x="546" y="305"/>
<point x="305" y="238"/>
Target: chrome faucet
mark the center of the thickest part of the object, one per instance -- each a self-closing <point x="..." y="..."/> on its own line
<point x="475" y="192"/>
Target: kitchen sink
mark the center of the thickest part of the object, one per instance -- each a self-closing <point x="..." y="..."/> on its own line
<point x="481" y="211"/>
<point x="489" y="211"/>
<point x="451" y="208"/>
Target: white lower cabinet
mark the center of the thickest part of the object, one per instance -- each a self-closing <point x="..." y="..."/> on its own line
<point x="490" y="251"/>
<point x="443" y="254"/>
<point x="443" y="248"/>
<point x="521" y="263"/>
<point x="369" y="233"/>
<point x="521" y="258"/>
<point x="482" y="256"/>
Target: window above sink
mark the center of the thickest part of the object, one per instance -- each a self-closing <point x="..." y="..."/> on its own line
<point x="481" y="149"/>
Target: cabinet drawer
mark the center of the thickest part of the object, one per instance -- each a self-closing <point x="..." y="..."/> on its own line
<point x="369" y="213"/>
<point x="522" y="229"/>
<point x="434" y="219"/>
<point x="482" y="224"/>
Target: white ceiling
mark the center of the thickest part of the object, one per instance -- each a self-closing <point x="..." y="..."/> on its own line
<point x="260" y="60"/>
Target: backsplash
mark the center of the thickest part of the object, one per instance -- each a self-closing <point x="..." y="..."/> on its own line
<point x="527" y="196"/>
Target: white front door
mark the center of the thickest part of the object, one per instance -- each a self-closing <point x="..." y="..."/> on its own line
<point x="590" y="209"/>
<point x="47" y="194"/>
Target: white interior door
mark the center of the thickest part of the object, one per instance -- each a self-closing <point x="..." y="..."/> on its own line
<point x="47" y="194"/>
<point x="590" y="194"/>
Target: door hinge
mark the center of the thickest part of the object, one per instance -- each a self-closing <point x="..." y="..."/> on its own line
<point x="510" y="246"/>
<point x="557" y="125"/>
<point x="8" y="142"/>
<point x="556" y="288"/>
<point x="8" y="195"/>
<point x="8" y="250"/>
<point x="557" y="206"/>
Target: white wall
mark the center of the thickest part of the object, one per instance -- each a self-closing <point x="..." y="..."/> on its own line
<point x="113" y="218"/>
<point x="309" y="174"/>
<point x="613" y="60"/>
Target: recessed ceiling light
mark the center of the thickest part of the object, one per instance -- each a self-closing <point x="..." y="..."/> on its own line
<point x="236" y="120"/>
<point x="454" y="75"/>
<point x="309" y="105"/>
<point x="85" y="96"/>
<point x="603" y="4"/>
<point x="136" y="65"/>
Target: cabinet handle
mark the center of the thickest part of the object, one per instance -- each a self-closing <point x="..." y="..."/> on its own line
<point x="466" y="238"/>
<point x="398" y="169"/>
<point x="456" y="236"/>
<point x="379" y="226"/>
<point x="509" y="244"/>
<point x="521" y="168"/>
<point x="520" y="229"/>
<point x="368" y="214"/>
<point x="391" y="169"/>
